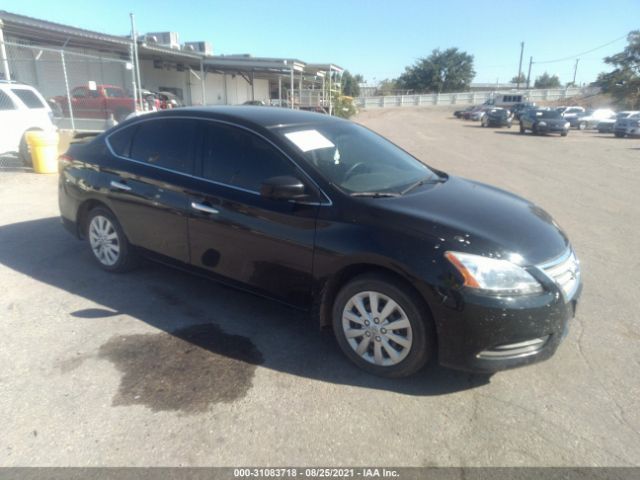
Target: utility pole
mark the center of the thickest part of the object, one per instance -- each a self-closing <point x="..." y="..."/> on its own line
<point x="529" y="74"/>
<point x="136" y="59"/>
<point x="575" y="71"/>
<point x="520" y="65"/>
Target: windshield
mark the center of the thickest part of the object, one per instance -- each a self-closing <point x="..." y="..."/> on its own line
<point x="548" y="114"/>
<point x="357" y="160"/>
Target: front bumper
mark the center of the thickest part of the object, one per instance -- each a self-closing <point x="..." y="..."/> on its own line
<point x="551" y="129"/>
<point x="628" y="131"/>
<point x="486" y="334"/>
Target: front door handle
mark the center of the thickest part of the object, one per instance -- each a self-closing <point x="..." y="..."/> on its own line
<point x="204" y="208"/>
<point x="120" y="186"/>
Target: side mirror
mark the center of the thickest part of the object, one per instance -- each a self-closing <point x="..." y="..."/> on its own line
<point x="282" y="188"/>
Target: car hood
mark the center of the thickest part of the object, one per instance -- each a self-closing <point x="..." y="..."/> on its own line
<point x="465" y="215"/>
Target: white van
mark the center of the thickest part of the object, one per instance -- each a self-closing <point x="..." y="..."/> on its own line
<point x="506" y="100"/>
<point x="22" y="108"/>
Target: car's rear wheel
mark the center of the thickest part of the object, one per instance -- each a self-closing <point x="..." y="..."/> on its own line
<point x="521" y="128"/>
<point x="24" y="152"/>
<point x="619" y="135"/>
<point x="564" y="134"/>
<point x="380" y="325"/>
<point x="108" y="242"/>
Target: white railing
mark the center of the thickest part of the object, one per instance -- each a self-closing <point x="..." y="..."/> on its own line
<point x="464" y="98"/>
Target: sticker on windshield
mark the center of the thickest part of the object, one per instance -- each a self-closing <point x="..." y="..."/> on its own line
<point x="307" y="140"/>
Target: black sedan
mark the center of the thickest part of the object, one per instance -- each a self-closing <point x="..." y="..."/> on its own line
<point x="544" y="121"/>
<point x="405" y="262"/>
<point x="497" y="117"/>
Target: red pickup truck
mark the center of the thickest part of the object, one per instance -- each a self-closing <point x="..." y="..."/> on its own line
<point x="96" y="103"/>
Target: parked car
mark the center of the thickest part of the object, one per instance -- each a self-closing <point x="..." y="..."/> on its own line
<point x="518" y="108"/>
<point x="544" y="121"/>
<point x="476" y="115"/>
<point x="497" y="117"/>
<point x="466" y="115"/>
<point x="404" y="261"/>
<point x="99" y="102"/>
<point x="607" y="125"/>
<point x="257" y="103"/>
<point x="628" y="127"/>
<point x="569" y="112"/>
<point x="460" y="113"/>
<point x="22" y="109"/>
<point x="591" y="118"/>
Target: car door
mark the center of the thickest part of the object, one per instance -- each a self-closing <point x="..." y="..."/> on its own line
<point x="148" y="180"/>
<point x="234" y="232"/>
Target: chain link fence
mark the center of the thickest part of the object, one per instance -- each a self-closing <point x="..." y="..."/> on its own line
<point x="85" y="92"/>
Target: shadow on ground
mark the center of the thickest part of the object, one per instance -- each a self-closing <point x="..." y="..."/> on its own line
<point x="208" y="328"/>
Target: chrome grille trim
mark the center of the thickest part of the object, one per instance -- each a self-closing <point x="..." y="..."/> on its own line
<point x="564" y="271"/>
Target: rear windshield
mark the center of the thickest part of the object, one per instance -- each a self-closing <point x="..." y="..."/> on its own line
<point x="29" y="98"/>
<point x="113" y="92"/>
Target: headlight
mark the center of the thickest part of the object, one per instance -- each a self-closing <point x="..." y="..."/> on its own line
<point x="566" y="124"/>
<point x="492" y="275"/>
<point x="542" y="124"/>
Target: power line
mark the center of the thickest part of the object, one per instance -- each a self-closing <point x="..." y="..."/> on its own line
<point x="582" y="53"/>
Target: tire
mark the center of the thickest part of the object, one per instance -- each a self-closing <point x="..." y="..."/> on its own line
<point x="107" y="241"/>
<point x="24" y="153"/>
<point x="582" y="126"/>
<point x="619" y="135"/>
<point x="564" y="134"/>
<point x="534" y="130"/>
<point x="415" y="342"/>
<point x="522" y="129"/>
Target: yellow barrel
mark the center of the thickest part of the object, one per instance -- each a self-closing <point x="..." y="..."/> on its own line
<point x="44" y="150"/>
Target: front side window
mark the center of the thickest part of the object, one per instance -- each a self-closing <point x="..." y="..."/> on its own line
<point x="166" y="143"/>
<point x="27" y="97"/>
<point x="233" y="156"/>
<point x="357" y="160"/>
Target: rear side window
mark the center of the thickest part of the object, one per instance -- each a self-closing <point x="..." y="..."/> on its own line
<point x="233" y="156"/>
<point x="120" y="141"/>
<point x="5" y="102"/>
<point x="113" y="92"/>
<point x="28" y="97"/>
<point x="166" y="143"/>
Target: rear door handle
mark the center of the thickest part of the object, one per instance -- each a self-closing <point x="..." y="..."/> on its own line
<point x="120" y="186"/>
<point x="204" y="208"/>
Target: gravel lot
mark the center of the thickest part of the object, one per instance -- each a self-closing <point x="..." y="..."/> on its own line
<point x="90" y="376"/>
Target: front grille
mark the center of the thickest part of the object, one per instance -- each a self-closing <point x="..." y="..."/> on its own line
<point x="565" y="272"/>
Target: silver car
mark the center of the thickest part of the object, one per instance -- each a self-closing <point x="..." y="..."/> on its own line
<point x="627" y="127"/>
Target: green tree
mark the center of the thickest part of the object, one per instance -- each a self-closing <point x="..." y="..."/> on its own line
<point x="547" y="81"/>
<point x="387" y="87"/>
<point x="350" y="83"/>
<point x="521" y="79"/>
<point x="443" y="71"/>
<point x="623" y="83"/>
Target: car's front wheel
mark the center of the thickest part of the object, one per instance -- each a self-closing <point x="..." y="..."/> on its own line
<point x="521" y="127"/>
<point x="108" y="242"/>
<point x="382" y="326"/>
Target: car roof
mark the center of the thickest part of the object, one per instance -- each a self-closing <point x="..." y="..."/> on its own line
<point x="262" y="116"/>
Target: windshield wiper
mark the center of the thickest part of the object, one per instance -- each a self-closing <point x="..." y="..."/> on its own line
<point x="422" y="182"/>
<point x="375" y="194"/>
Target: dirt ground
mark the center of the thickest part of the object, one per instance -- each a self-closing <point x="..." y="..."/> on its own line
<point x="160" y="368"/>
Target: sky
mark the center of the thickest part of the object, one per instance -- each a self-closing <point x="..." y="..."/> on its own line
<point x="376" y="38"/>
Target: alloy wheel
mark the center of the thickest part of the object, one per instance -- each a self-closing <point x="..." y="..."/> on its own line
<point x="104" y="240"/>
<point x="377" y="328"/>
